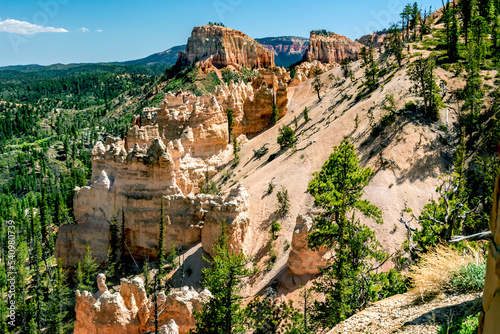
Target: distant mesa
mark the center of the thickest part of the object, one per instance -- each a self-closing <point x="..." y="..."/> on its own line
<point x="325" y="51"/>
<point x="328" y="47"/>
<point x="217" y="46"/>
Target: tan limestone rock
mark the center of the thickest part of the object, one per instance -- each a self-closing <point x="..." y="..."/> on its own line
<point x="307" y="70"/>
<point x="231" y="214"/>
<point x="170" y="328"/>
<point x="302" y="260"/>
<point x="375" y="39"/>
<point x="213" y="45"/>
<point x="490" y="320"/>
<point x="331" y="48"/>
<point x="131" y="312"/>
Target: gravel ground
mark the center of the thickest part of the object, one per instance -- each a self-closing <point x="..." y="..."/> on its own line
<point x="401" y="314"/>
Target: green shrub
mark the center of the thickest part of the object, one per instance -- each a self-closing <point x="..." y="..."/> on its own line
<point x="306" y="115"/>
<point x="446" y="67"/>
<point x="385" y="121"/>
<point x="387" y="284"/>
<point x="469" y="278"/>
<point x="388" y="119"/>
<point x="283" y="203"/>
<point x="411" y="106"/>
<point x="275" y="229"/>
<point x="287" y="137"/>
<point x="270" y="187"/>
<point x="468" y="325"/>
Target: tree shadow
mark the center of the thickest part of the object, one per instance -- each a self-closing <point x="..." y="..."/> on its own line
<point x="447" y="314"/>
<point x="434" y="162"/>
<point x="189" y="271"/>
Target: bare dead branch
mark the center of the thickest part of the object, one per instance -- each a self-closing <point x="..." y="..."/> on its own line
<point x="473" y="237"/>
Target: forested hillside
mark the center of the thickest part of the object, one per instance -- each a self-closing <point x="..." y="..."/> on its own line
<point x="50" y="118"/>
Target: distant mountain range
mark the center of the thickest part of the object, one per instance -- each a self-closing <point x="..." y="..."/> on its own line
<point x="287" y="50"/>
<point x="167" y="57"/>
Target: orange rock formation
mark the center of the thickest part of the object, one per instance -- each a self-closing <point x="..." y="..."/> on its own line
<point x="131" y="311"/>
<point x="213" y="45"/>
<point x="168" y="152"/>
<point x="331" y="48"/>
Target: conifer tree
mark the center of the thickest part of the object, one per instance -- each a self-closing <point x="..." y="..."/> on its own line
<point x="473" y="91"/>
<point x="372" y="69"/>
<point x="395" y="44"/>
<point x="221" y="314"/>
<point x="161" y="239"/>
<point x="122" y="241"/>
<point x="37" y="282"/>
<point x="86" y="272"/>
<point x="466" y="7"/>
<point x="317" y="84"/>
<point x="454" y="37"/>
<point x="58" y="302"/>
<point x="345" y="65"/>
<point x="337" y="190"/>
<point x="230" y="122"/>
<point x="3" y="306"/>
<point x="422" y="73"/>
<point x="113" y="248"/>
<point x="495" y="38"/>
<point x="414" y="19"/>
<point x="271" y="316"/>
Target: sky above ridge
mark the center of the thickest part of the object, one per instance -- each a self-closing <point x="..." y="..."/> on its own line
<point x="84" y="31"/>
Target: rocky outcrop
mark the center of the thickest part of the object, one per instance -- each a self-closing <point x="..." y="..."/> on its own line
<point x="489" y="322"/>
<point x="302" y="260"/>
<point x="131" y="311"/>
<point x="331" y="48"/>
<point x="287" y="50"/>
<point x="375" y="39"/>
<point x="219" y="47"/>
<point x="307" y="70"/>
<point x="168" y="152"/>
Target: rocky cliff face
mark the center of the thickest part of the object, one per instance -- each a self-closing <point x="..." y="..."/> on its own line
<point x="287" y="50"/>
<point x="376" y="39"/>
<point x="302" y="260"/>
<point x="167" y="153"/>
<point x="331" y="48"/>
<point x="131" y="311"/>
<point x="307" y="70"/>
<point x="489" y="322"/>
<point x="217" y="46"/>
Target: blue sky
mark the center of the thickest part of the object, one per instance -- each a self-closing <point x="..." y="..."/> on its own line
<point x="72" y="31"/>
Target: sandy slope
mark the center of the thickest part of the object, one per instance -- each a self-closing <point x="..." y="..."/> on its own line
<point x="412" y="143"/>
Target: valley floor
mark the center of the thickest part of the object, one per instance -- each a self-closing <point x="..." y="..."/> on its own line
<point x="400" y="314"/>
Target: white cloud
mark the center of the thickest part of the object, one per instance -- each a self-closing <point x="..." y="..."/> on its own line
<point x="25" y="28"/>
<point x="83" y="30"/>
<point x="99" y="30"/>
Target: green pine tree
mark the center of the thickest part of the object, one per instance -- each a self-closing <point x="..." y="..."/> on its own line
<point x="372" y="69"/>
<point x="454" y="37"/>
<point x="337" y="190"/>
<point x="86" y="272"/>
<point x="473" y="92"/>
<point x="230" y="122"/>
<point x="161" y="239"/>
<point x="222" y="315"/>
<point x="422" y="73"/>
<point x="58" y="303"/>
